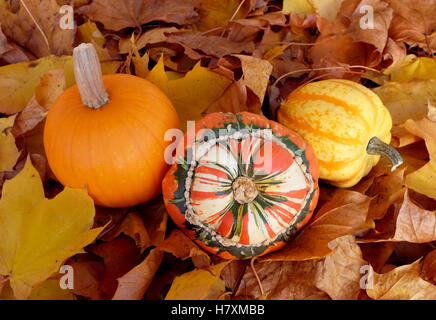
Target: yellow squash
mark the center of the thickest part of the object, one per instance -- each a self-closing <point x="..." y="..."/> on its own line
<point x="347" y="125"/>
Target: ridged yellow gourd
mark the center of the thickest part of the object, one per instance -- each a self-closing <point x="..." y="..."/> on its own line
<point x="339" y="118"/>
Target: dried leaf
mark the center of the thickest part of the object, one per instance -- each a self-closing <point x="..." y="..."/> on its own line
<point x="36" y="26"/>
<point x="192" y="94"/>
<point x="344" y="214"/>
<point x="402" y="283"/>
<point x="422" y="180"/>
<point x="120" y="14"/>
<point x="182" y="247"/>
<point x="339" y="273"/>
<point x="407" y="100"/>
<point x="134" y="284"/>
<point x="8" y="150"/>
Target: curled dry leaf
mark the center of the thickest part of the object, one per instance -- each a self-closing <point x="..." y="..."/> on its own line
<point x="134" y="284"/>
<point x="178" y="244"/>
<point x="344" y="214"/>
<point x="339" y="273"/>
<point x="36" y="26"/>
<point x="414" y="22"/>
<point x="402" y="283"/>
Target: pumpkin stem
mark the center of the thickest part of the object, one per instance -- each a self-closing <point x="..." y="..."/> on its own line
<point x="87" y="72"/>
<point x="377" y="147"/>
<point x="244" y="190"/>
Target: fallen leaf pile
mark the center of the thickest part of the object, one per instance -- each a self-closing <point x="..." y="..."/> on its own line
<point x="375" y="240"/>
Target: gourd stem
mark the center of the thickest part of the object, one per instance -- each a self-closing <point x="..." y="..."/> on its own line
<point x="87" y="72"/>
<point x="377" y="147"/>
<point x="244" y="190"/>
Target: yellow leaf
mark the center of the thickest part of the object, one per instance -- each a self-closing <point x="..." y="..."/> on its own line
<point x="402" y="283"/>
<point x="407" y="100"/>
<point x="8" y="150"/>
<point x="423" y="68"/>
<point x="18" y="81"/>
<point x="38" y="234"/>
<point x="89" y="31"/>
<point x="423" y="179"/>
<point x="48" y="290"/>
<point x="302" y="7"/>
<point x="198" y="284"/>
<point x="327" y="9"/>
<point x="193" y="93"/>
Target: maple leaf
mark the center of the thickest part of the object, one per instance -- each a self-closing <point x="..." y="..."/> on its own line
<point x="39" y="234"/>
<point x="37" y="27"/>
<point x="193" y="93"/>
<point x="48" y="290"/>
<point x="414" y="22"/>
<point x="120" y="14"/>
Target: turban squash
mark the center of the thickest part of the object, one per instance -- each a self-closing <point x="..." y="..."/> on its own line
<point x="107" y="134"/>
<point x="244" y="185"/>
<point x="347" y="125"/>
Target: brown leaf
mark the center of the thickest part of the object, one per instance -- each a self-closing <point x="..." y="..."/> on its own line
<point x="376" y="36"/>
<point x="4" y="45"/>
<point x="36" y="26"/>
<point x="402" y="283"/>
<point x="287" y="280"/>
<point x="414" y="22"/>
<point x="415" y="224"/>
<point x="428" y="269"/>
<point x="339" y="273"/>
<point x="233" y="272"/>
<point x="236" y="98"/>
<point x="182" y="247"/>
<point x="155" y="219"/>
<point x="345" y="214"/>
<point x="132" y="226"/>
<point x="209" y="45"/>
<point x="120" y="256"/>
<point x="377" y="253"/>
<point x="88" y="275"/>
<point x="134" y="284"/>
<point x="120" y="14"/>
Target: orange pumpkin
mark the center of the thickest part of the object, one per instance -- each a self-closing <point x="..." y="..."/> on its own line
<point x="107" y="134"/>
<point x="244" y="187"/>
